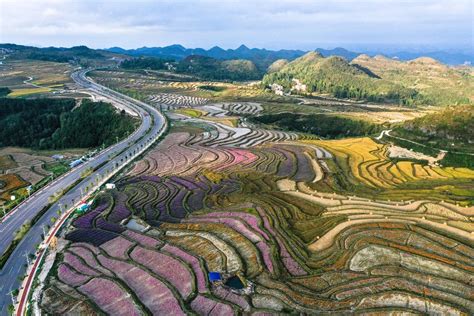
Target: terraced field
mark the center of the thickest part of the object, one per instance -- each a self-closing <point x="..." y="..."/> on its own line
<point x="373" y="174"/>
<point x="176" y="101"/>
<point x="304" y="226"/>
<point x="148" y="83"/>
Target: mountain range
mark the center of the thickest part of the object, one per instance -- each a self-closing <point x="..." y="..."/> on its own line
<point x="264" y="57"/>
<point x="260" y="56"/>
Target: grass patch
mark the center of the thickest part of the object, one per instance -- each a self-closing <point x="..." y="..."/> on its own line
<point x="28" y="91"/>
<point x="12" y="182"/>
<point x="57" y="168"/>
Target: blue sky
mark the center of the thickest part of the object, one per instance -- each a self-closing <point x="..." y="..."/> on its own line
<point x="293" y="24"/>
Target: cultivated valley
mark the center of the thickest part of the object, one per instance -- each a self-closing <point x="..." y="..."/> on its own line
<point x="266" y="183"/>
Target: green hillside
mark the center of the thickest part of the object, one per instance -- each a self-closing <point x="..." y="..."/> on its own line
<point x="339" y="78"/>
<point x="146" y="63"/>
<point x="451" y="130"/>
<point x="208" y="68"/>
<point x="452" y="127"/>
<point x="436" y="82"/>
<point x="380" y="79"/>
<point x="277" y="65"/>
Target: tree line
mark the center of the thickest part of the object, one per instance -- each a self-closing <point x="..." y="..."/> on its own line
<point x="45" y="123"/>
<point x="327" y="126"/>
<point x="146" y="63"/>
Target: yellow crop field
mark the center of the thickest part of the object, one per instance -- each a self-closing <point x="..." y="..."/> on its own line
<point x="398" y="177"/>
<point x="420" y="172"/>
<point x="432" y="173"/>
<point x="229" y="121"/>
<point x="460" y="172"/>
<point x="191" y="112"/>
<point x="369" y="163"/>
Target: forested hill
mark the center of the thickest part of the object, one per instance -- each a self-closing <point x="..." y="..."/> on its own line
<point x="438" y="83"/>
<point x="451" y="130"/>
<point x="146" y="63"/>
<point x="337" y="77"/>
<point x="454" y="126"/>
<point x="378" y="79"/>
<point x="214" y="69"/>
<point x="55" y="123"/>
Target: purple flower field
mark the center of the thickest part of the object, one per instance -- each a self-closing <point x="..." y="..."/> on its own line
<point x="203" y="226"/>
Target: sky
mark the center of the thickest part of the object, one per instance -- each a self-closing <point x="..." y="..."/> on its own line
<point x="382" y="25"/>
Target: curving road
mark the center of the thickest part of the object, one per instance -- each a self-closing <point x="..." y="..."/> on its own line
<point x="106" y="162"/>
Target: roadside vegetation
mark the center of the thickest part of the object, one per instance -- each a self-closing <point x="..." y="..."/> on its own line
<point x="16" y="240"/>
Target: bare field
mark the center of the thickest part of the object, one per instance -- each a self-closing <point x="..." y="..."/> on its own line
<point x="28" y="77"/>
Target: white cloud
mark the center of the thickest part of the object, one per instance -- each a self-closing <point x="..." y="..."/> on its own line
<point x="283" y="23"/>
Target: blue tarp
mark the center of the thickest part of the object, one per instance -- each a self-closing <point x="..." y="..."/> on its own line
<point x="214" y="276"/>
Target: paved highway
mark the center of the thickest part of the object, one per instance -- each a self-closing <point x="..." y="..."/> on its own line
<point x="107" y="161"/>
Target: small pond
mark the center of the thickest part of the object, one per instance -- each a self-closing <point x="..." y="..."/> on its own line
<point x="235" y="283"/>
